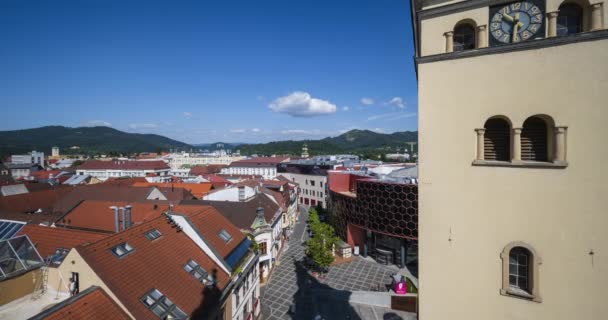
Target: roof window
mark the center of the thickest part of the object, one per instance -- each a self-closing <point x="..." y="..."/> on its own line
<point x="153" y="234"/>
<point x="198" y="272"/>
<point x="161" y="306"/>
<point x="122" y="249"/>
<point x="225" y="235"/>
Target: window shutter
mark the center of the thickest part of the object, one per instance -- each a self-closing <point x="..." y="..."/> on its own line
<point x="534" y="140"/>
<point x="497" y="140"/>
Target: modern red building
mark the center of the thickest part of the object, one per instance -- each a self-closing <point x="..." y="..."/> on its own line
<point x="377" y="215"/>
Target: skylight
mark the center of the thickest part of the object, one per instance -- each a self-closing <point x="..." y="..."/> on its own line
<point x="161" y="306"/>
<point x="153" y="234"/>
<point x="57" y="257"/>
<point x="122" y="249"/>
<point x="225" y="235"/>
<point x="9" y="228"/>
<point x="198" y="272"/>
<point x="18" y="255"/>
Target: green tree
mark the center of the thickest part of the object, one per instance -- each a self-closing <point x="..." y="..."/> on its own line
<point x="77" y="163"/>
<point x="319" y="247"/>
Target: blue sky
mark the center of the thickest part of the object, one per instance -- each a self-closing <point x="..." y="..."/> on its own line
<point x="206" y="71"/>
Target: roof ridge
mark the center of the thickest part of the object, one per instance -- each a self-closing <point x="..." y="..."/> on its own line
<point x="68" y="301"/>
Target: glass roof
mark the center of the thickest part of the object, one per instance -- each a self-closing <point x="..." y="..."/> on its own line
<point x="8" y="228"/>
<point x="18" y="255"/>
<point x="238" y="253"/>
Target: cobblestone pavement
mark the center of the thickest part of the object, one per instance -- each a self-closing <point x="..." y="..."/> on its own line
<point x="291" y="286"/>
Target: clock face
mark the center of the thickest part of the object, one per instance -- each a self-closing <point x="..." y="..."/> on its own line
<point x="516" y="22"/>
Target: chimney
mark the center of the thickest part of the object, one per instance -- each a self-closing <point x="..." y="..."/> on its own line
<point x="116" y="225"/>
<point x="129" y="222"/>
<point x="124" y="218"/>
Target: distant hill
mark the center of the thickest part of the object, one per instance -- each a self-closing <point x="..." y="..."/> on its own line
<point x="91" y="140"/>
<point x="362" y="142"/>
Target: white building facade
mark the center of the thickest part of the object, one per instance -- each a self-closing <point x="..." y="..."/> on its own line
<point x="33" y="157"/>
<point x="181" y="160"/>
<point x="104" y="170"/>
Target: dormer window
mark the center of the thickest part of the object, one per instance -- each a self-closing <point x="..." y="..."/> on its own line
<point x="153" y="234"/>
<point x="198" y="272"/>
<point x="224" y="235"/>
<point x="161" y="306"/>
<point x="122" y="249"/>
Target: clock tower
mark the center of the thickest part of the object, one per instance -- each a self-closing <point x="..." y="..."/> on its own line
<point x="512" y="224"/>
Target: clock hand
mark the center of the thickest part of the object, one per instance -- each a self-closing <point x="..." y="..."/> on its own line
<point x="515" y="27"/>
<point x="508" y="17"/>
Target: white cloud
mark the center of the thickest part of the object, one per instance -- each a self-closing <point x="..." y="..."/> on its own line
<point x="96" y="123"/>
<point x="345" y="108"/>
<point x="378" y="130"/>
<point x="367" y="101"/>
<point x="187" y="114"/>
<point x="302" y="104"/>
<point x="392" y="115"/>
<point x="256" y="130"/>
<point x="237" y="130"/>
<point x="397" y="102"/>
<point x="137" y="126"/>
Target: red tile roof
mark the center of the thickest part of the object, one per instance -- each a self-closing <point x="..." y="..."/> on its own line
<point x="259" y="162"/>
<point x="196" y="189"/>
<point x="105" y="192"/>
<point x="97" y="215"/>
<point x="45" y="174"/>
<point x="210" y="222"/>
<point x="92" y="303"/>
<point x="123" y="165"/>
<point x="48" y="239"/>
<point x="33" y="207"/>
<point x="157" y="264"/>
<point x="124" y="181"/>
<point x="240" y="213"/>
<point x="217" y="181"/>
<point x="212" y="168"/>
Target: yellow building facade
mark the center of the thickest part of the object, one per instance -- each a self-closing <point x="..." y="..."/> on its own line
<point x="513" y="189"/>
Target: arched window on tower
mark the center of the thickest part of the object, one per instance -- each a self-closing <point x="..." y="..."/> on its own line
<point x="569" y="19"/>
<point x="497" y="140"/>
<point x="464" y="37"/>
<point x="519" y="269"/>
<point x="534" y="145"/>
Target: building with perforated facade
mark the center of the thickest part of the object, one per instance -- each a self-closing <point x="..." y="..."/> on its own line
<point x="379" y="217"/>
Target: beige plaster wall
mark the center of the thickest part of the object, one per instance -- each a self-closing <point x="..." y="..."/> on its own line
<point x="74" y="262"/>
<point x="468" y="214"/>
<point x="432" y="40"/>
<point x="19" y="286"/>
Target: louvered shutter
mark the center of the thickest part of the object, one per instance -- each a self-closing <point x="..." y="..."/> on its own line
<point x="534" y="140"/>
<point x="497" y="140"/>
